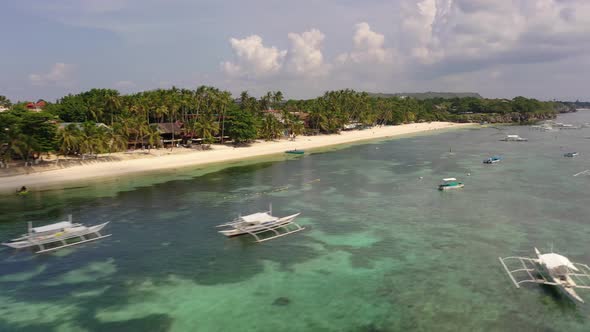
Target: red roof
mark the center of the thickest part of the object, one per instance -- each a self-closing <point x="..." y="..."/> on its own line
<point x="39" y="104"/>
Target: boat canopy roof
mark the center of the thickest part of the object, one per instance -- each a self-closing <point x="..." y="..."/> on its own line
<point x="512" y="136"/>
<point x="52" y="227"/>
<point x="449" y="179"/>
<point x="258" y="217"/>
<point x="553" y="261"/>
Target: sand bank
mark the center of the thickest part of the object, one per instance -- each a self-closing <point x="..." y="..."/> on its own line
<point x="160" y="160"/>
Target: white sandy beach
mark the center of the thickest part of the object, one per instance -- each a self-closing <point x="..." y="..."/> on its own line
<point x="158" y="160"/>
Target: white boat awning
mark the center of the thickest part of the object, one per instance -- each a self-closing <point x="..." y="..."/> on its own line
<point x="52" y="227"/>
<point x="553" y="261"/>
<point x="258" y="217"/>
<point x="450" y="179"/>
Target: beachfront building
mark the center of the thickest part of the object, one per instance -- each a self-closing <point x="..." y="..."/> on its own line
<point x="171" y="133"/>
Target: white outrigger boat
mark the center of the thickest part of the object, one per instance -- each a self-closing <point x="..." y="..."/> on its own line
<point x="514" y="138"/>
<point x="56" y="236"/>
<point x="262" y="222"/>
<point x="549" y="269"/>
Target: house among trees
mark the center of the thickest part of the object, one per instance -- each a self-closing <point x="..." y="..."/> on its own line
<point x="36" y="107"/>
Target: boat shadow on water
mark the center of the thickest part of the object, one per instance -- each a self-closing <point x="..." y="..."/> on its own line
<point x="556" y="298"/>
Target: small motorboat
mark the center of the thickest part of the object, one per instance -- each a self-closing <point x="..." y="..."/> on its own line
<point x="492" y="160"/>
<point x="571" y="154"/>
<point x="295" y="151"/>
<point x="450" y="183"/>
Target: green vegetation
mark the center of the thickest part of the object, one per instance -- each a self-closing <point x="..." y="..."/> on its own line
<point x="103" y="121"/>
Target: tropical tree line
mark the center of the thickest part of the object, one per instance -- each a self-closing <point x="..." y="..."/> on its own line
<point x="103" y="120"/>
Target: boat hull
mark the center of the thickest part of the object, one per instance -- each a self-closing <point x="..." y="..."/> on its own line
<point x="261" y="227"/>
<point x="445" y="188"/>
<point x="39" y="241"/>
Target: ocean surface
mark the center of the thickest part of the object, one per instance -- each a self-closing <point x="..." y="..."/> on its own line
<point x="383" y="249"/>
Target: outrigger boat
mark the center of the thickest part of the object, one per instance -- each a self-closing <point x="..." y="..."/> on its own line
<point x="549" y="269"/>
<point x="514" y="138"/>
<point x="262" y="222"/>
<point x="450" y="183"/>
<point x="56" y="236"/>
<point x="492" y="160"/>
<point x="295" y="151"/>
<point x="571" y="154"/>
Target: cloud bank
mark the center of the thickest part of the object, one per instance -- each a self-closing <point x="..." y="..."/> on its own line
<point x="496" y="47"/>
<point x="434" y="40"/>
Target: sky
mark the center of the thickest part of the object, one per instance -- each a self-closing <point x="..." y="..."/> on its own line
<point x="499" y="48"/>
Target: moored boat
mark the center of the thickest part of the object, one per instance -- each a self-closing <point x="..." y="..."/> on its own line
<point x="450" y="183"/>
<point x="492" y="160"/>
<point x="514" y="138"/>
<point x="571" y="154"/>
<point x="56" y="236"/>
<point x="295" y="151"/>
<point x="548" y="269"/>
<point x="257" y="224"/>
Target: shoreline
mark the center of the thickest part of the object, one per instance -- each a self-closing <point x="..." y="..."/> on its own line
<point x="217" y="154"/>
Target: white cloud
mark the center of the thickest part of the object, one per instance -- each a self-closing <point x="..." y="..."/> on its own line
<point x="466" y="35"/>
<point x="368" y="47"/>
<point x="253" y="59"/>
<point x="305" y="55"/>
<point x="60" y="74"/>
<point x="417" y="26"/>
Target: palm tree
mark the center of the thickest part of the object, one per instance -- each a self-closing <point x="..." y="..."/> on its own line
<point x="118" y="137"/>
<point x="160" y="112"/>
<point x="101" y="139"/>
<point x="225" y="100"/>
<point x="5" y="102"/>
<point x="88" y="138"/>
<point x="20" y="144"/>
<point x="206" y="128"/>
<point x="112" y="104"/>
<point x="265" y="101"/>
<point x="277" y="99"/>
<point x="68" y="139"/>
<point x="271" y="127"/>
<point x="153" y="136"/>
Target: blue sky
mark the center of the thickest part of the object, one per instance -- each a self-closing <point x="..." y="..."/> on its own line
<point x="500" y="48"/>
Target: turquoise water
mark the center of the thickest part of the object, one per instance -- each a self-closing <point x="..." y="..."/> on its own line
<point x="383" y="250"/>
